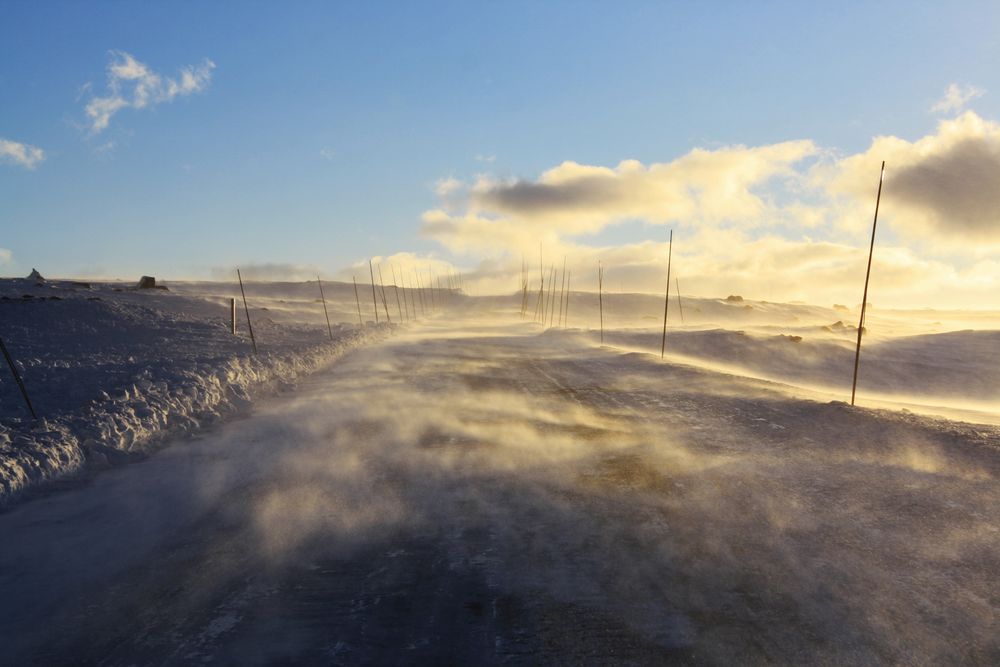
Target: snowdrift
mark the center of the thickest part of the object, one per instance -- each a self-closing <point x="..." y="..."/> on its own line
<point x="111" y="370"/>
<point x="958" y="365"/>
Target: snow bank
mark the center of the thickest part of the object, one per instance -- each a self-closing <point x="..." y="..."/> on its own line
<point x="958" y="365"/>
<point x="113" y="370"/>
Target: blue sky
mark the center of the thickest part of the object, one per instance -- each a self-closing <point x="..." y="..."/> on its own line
<point x="324" y="127"/>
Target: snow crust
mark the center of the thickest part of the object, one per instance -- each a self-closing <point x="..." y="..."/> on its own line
<point x="112" y="370"/>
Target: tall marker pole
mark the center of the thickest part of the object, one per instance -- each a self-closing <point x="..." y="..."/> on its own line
<point x="361" y="320"/>
<point x="322" y="296"/>
<point x="246" y="308"/>
<point x="666" y="300"/>
<point x="569" y="279"/>
<point x="381" y="287"/>
<point x="680" y="306"/>
<point x="562" y="293"/>
<point x="600" y="296"/>
<point x="864" y="299"/>
<point x="552" y="295"/>
<point x="371" y="272"/>
<point x="408" y="287"/>
<point x="395" y="285"/>
<point x="420" y="293"/>
<point x="430" y="289"/>
<point x="541" y="284"/>
<point x="17" y="379"/>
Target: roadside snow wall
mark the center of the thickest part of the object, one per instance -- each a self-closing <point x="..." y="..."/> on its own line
<point x="112" y="373"/>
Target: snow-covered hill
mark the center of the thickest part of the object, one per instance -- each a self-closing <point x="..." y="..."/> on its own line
<point x="111" y="369"/>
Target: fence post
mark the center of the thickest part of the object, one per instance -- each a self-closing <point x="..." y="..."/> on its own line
<point x="232" y="315"/>
<point x="17" y="379"/>
<point x="868" y="272"/>
<point x="325" y="311"/>
<point x="666" y="297"/>
<point x="358" y="300"/>
<point x="246" y="308"/>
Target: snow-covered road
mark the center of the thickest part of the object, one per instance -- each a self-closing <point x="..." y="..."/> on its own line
<point x="488" y="494"/>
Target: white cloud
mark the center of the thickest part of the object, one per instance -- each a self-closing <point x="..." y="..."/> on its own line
<point x="23" y="155"/>
<point x="943" y="184"/>
<point x="133" y="85"/>
<point x="701" y="187"/>
<point x="5" y="256"/>
<point x="486" y="158"/>
<point x="698" y="189"/>
<point x="327" y="153"/>
<point x="447" y="187"/>
<point x="956" y="97"/>
<point x="783" y="221"/>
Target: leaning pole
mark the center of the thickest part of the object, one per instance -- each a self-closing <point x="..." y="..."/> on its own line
<point x="864" y="298"/>
<point x="666" y="298"/>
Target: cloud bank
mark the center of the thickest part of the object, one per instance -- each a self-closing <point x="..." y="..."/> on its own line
<point x="133" y="85"/>
<point x="22" y="155"/>
<point x="782" y="221"/>
<point x="944" y="184"/>
<point x="714" y="186"/>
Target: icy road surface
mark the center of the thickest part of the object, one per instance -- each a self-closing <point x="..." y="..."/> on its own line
<point x="501" y="496"/>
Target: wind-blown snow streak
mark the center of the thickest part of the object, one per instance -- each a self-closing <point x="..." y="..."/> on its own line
<point x="472" y="491"/>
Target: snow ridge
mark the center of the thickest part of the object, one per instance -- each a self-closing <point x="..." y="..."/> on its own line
<point x="118" y="374"/>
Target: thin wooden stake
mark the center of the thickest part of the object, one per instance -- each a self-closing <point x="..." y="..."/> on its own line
<point x="524" y="288"/>
<point x="253" y="341"/>
<point x="395" y="287"/>
<point x="408" y="287"/>
<point x="381" y="287"/>
<point x="325" y="311"/>
<point x="541" y="284"/>
<point x="679" y="306"/>
<point x="562" y="293"/>
<point x="600" y="296"/>
<point x="666" y="300"/>
<point x="864" y="298"/>
<point x="406" y="306"/>
<point x="430" y="289"/>
<point x="17" y="379"/>
<point x="552" y="294"/>
<point x="566" y="316"/>
<point x="420" y="293"/>
<point x="361" y="320"/>
<point x="371" y="272"/>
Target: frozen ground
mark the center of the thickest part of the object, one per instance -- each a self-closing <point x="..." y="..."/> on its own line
<point x="476" y="491"/>
<point x="112" y="371"/>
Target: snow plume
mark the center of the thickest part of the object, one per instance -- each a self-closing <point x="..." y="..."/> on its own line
<point x="340" y="492"/>
<point x="268" y="271"/>
<point x="542" y="466"/>
<point x="22" y="155"/>
<point x="133" y="85"/>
